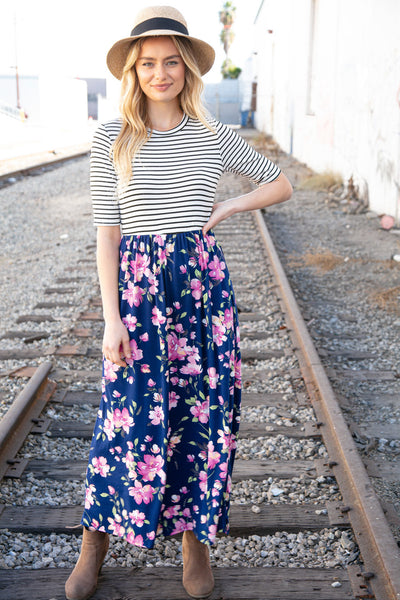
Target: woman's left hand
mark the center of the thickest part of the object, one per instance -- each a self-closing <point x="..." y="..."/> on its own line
<point x="220" y="211"/>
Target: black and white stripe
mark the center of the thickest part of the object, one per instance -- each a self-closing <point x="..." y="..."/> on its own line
<point x="174" y="178"/>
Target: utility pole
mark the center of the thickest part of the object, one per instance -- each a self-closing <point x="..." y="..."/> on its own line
<point x="16" y="61"/>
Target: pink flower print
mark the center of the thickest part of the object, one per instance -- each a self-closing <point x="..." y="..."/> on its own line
<point x="108" y="428"/>
<point x="176" y="347"/>
<point x="145" y="368"/>
<point x="173" y="399"/>
<point x="190" y="457"/>
<point x="111" y="490"/>
<point x="201" y="411"/>
<point x="115" y="526"/>
<point x="110" y="370"/>
<point x="151" y="467"/>
<point x="228" y="318"/>
<point x="238" y="374"/>
<point x="139" y="265"/>
<point x="141" y="493"/>
<point x="135" y="540"/>
<point x="181" y="525"/>
<point x="157" y="397"/>
<point x="129" y="461"/>
<point x="186" y="512"/>
<point x="137" y="517"/>
<point x="136" y="353"/>
<point x="212" y="532"/>
<point x="124" y="261"/>
<point x="122" y="419"/>
<point x="89" y="500"/>
<point x="191" y="367"/>
<point x="157" y="318"/>
<point x="153" y="283"/>
<point x="218" y="330"/>
<point x="216" y="268"/>
<point x="133" y="294"/>
<point x="162" y="256"/>
<point x="192" y="262"/>
<point x="213" y="377"/>
<point x="210" y="240"/>
<point x="227" y="439"/>
<point x="217" y="487"/>
<point x="203" y="255"/>
<point x="100" y="465"/>
<point x="130" y="322"/>
<point x="212" y="456"/>
<point x="156" y="415"/>
<point x="151" y="383"/>
<point x="196" y="287"/>
<point x="173" y="441"/>
<point x="203" y="481"/>
<point x="171" y="511"/>
<point x="179" y="328"/>
<point x="130" y="380"/>
<point x="184" y="490"/>
<point x="224" y="470"/>
<point x="183" y="269"/>
<point x="159" y="239"/>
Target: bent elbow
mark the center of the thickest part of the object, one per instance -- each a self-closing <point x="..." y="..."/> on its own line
<point x="287" y="189"/>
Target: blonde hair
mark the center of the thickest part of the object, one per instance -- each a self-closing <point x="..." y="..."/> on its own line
<point x="136" y="127"/>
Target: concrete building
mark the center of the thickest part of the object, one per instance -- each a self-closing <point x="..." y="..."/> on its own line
<point x="328" y="89"/>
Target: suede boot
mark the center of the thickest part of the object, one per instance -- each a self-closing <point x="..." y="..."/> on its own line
<point x="197" y="579"/>
<point x="82" y="582"/>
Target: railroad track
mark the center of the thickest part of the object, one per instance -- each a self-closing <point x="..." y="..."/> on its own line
<point x="288" y="403"/>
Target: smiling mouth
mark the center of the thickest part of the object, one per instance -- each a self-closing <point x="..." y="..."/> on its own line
<point x="162" y="87"/>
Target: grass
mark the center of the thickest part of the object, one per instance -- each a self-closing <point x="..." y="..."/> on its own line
<point x="387" y="299"/>
<point x="323" y="260"/>
<point x="322" y="182"/>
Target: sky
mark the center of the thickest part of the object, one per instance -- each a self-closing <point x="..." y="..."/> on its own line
<point x="72" y="38"/>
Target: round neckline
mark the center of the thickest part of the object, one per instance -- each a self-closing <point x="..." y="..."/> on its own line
<point x="174" y="129"/>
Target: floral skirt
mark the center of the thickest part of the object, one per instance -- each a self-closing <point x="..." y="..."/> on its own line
<point x="164" y="441"/>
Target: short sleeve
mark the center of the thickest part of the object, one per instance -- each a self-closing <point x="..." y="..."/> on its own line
<point x="103" y="181"/>
<point x="239" y="157"/>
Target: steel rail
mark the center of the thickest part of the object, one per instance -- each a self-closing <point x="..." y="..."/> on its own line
<point x="19" y="419"/>
<point x="49" y="162"/>
<point x="379" y="550"/>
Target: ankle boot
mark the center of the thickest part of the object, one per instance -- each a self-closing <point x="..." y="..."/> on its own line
<point x="197" y="579"/>
<point x="82" y="582"/>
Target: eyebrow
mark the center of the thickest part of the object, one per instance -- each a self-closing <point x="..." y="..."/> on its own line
<point x="152" y="58"/>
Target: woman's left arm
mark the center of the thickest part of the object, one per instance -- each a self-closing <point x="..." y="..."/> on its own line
<point x="268" y="194"/>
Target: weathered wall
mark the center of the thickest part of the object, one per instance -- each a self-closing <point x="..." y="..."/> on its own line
<point x="328" y="81"/>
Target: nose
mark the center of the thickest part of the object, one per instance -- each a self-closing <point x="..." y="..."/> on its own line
<point x="160" y="72"/>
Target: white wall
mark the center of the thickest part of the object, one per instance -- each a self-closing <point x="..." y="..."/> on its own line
<point x="331" y="95"/>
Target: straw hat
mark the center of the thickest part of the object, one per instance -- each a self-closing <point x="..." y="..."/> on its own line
<point x="153" y="21"/>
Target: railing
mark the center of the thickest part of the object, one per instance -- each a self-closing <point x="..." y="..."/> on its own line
<point x="12" y="111"/>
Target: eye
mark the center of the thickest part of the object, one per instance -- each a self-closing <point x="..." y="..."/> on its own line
<point x="147" y="64"/>
<point x="172" y="63"/>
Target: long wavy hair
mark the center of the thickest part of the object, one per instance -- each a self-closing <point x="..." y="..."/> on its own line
<point x="136" y="126"/>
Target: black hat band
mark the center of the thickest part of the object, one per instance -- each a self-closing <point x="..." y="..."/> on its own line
<point x="159" y="23"/>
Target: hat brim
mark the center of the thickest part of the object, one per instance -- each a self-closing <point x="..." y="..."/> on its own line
<point x="117" y="55"/>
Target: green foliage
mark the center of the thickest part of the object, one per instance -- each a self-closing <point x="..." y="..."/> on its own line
<point x="229" y="71"/>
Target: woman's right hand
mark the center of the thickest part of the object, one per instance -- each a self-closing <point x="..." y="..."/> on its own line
<point x="116" y="343"/>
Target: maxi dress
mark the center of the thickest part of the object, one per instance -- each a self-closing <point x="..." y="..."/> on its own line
<point x="164" y="441"/>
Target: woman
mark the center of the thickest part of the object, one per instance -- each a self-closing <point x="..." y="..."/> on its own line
<point x="164" y="441"/>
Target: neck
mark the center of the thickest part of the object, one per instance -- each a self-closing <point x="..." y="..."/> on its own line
<point x="164" y="116"/>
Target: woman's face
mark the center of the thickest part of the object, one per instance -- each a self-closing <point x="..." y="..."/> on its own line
<point x="160" y="70"/>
